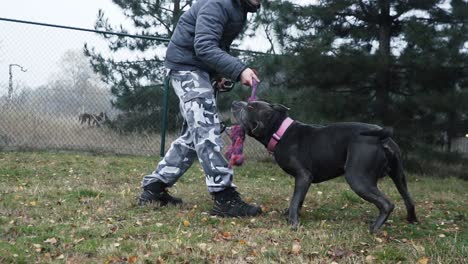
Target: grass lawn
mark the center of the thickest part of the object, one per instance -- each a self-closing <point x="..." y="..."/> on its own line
<point x="77" y="208"/>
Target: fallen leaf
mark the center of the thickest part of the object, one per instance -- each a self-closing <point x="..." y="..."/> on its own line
<point x="186" y="223"/>
<point x="296" y="247"/>
<point x="419" y="249"/>
<point x="339" y="253"/>
<point x="61" y="256"/>
<point x="370" y="259"/>
<point x="116" y="245"/>
<point x="423" y="260"/>
<point x="202" y="246"/>
<point x="38" y="248"/>
<point x="132" y="259"/>
<point x="33" y="203"/>
<point x="442" y="235"/>
<point x="226" y="235"/>
<point x="76" y="241"/>
<point x="160" y="260"/>
<point x="52" y="241"/>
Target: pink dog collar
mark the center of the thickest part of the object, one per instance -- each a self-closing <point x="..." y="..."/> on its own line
<point x="276" y="137"/>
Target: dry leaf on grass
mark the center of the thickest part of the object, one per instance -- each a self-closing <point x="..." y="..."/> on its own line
<point x="420" y="249"/>
<point x="51" y="241"/>
<point x="76" y="241"/>
<point x="160" y="260"/>
<point x="132" y="259"/>
<point x="370" y="259"/>
<point x="202" y="246"/>
<point x="296" y="247"/>
<point x="423" y="260"/>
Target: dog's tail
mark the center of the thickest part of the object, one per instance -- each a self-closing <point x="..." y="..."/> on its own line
<point x="383" y="133"/>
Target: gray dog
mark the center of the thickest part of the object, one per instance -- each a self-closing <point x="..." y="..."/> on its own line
<point x="361" y="152"/>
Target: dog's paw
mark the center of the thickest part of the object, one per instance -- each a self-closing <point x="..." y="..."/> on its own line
<point x="285" y="212"/>
<point x="294" y="226"/>
<point x="293" y="223"/>
<point x="412" y="220"/>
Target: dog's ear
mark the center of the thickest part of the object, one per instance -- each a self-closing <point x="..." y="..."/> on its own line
<point x="280" y="107"/>
<point x="257" y="130"/>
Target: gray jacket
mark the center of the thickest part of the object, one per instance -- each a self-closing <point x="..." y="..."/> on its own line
<point x="203" y="36"/>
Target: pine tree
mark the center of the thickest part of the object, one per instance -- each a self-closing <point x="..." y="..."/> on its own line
<point x="437" y="74"/>
<point x="363" y="58"/>
<point x="138" y="84"/>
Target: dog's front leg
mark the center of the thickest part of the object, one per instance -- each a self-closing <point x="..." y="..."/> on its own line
<point x="301" y="186"/>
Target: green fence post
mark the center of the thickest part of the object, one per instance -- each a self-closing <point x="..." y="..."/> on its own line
<point x="164" y="116"/>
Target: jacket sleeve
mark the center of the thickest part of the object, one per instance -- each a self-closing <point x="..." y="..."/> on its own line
<point x="211" y="20"/>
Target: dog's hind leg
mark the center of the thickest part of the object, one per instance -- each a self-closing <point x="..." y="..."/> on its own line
<point x="374" y="195"/>
<point x="362" y="173"/>
<point x="397" y="174"/>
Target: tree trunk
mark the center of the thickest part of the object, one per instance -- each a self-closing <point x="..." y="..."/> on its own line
<point x="384" y="56"/>
<point x="451" y="131"/>
<point x="176" y="12"/>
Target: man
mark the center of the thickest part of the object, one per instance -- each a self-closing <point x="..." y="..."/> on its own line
<point x="199" y="49"/>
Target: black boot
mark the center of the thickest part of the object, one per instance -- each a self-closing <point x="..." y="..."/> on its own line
<point x="229" y="203"/>
<point x="156" y="192"/>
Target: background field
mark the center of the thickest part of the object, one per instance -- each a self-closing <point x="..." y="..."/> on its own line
<point x="76" y="208"/>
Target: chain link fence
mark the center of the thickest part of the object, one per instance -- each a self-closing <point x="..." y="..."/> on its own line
<point x="59" y="103"/>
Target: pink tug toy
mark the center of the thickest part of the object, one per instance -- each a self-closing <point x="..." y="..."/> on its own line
<point x="234" y="152"/>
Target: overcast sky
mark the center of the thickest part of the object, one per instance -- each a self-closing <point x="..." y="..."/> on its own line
<point x="39" y="49"/>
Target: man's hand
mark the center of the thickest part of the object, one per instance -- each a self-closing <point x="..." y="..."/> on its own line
<point x="247" y="75"/>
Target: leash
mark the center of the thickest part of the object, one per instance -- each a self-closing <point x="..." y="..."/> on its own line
<point x="221" y="86"/>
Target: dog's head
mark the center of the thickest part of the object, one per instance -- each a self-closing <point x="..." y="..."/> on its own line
<point x="258" y="117"/>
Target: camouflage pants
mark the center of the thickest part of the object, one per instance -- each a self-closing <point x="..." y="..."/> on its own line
<point x="200" y="136"/>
